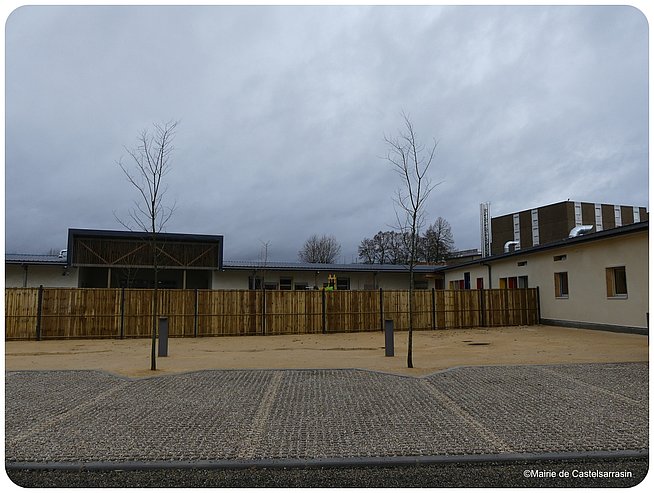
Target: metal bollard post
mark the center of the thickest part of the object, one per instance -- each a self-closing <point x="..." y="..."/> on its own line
<point x="163" y="336"/>
<point x="388" y="333"/>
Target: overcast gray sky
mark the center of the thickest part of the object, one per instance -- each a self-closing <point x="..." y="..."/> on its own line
<point x="283" y="110"/>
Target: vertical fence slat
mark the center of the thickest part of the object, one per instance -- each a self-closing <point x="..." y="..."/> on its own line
<point x="39" y="313"/>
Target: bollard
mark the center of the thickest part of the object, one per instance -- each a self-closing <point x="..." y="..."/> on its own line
<point x="163" y="336"/>
<point x="388" y="333"/>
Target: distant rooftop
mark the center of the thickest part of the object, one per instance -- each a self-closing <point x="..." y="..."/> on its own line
<point x="270" y="265"/>
<point x="26" y="258"/>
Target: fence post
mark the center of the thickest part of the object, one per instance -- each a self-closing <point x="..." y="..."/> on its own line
<point x="122" y="313"/>
<point x="263" y="310"/>
<point x="195" y="314"/>
<point x="524" y="303"/>
<point x="39" y="309"/>
<point x="324" y="312"/>
<point x="381" y="309"/>
<point x="538" y="304"/>
<point x="433" y="308"/>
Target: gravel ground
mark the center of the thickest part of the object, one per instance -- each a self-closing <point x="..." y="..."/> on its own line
<point x="76" y="418"/>
<point x="467" y="475"/>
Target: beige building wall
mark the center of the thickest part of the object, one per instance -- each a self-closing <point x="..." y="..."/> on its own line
<point x="588" y="300"/>
<point x="476" y="271"/>
<point x="238" y="279"/>
<point x="16" y="276"/>
<point x="585" y="263"/>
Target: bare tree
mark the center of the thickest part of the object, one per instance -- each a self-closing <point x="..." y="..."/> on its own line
<point x="438" y="242"/>
<point x="320" y="250"/>
<point x="148" y="165"/>
<point x="368" y="251"/>
<point x="412" y="161"/>
<point x="386" y="247"/>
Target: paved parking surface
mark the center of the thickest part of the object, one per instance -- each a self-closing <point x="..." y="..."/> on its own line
<point x="256" y="416"/>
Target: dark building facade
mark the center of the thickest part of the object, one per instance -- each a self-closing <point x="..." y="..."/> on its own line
<point x="111" y="259"/>
<point x="554" y="222"/>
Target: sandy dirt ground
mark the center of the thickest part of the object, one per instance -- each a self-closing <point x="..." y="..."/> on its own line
<point x="433" y="351"/>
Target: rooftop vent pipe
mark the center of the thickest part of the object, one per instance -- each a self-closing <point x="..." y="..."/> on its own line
<point x="580" y="230"/>
<point x="63" y="253"/>
<point x="509" y="244"/>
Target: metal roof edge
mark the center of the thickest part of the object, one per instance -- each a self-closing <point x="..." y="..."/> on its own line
<point x="107" y="233"/>
<point x="33" y="259"/>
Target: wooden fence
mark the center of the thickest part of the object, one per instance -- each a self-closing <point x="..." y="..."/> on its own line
<point x="60" y="313"/>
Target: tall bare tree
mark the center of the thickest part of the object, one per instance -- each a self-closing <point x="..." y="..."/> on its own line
<point x="320" y="250"/>
<point x="412" y="161"/>
<point x="146" y="169"/>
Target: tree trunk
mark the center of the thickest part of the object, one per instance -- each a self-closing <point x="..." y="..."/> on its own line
<point x="155" y="301"/>
<point x="409" y="360"/>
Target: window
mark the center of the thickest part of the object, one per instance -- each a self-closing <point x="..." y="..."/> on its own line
<point x="522" y="264"/>
<point x="523" y="282"/>
<point x="270" y="286"/>
<point x="561" y="285"/>
<point x="420" y="284"/>
<point x="301" y="286"/>
<point x="254" y="282"/>
<point x="466" y="280"/>
<point x="285" y="283"/>
<point x="559" y="258"/>
<point x="616" y="282"/>
<point x="342" y="283"/>
<point x="480" y="283"/>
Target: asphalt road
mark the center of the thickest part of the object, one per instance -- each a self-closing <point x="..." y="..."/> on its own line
<point x="566" y="473"/>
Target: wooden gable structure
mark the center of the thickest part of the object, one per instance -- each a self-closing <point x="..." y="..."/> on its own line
<point x="129" y="256"/>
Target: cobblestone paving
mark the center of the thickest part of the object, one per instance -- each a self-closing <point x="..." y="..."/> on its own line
<point x="87" y="416"/>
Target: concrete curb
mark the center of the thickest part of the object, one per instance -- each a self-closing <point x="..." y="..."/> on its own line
<point x="325" y="462"/>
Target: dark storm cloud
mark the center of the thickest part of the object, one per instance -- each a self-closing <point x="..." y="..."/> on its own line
<point x="283" y="112"/>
